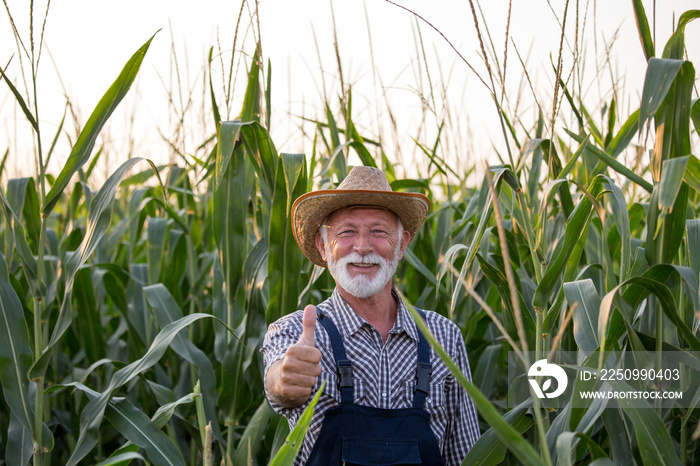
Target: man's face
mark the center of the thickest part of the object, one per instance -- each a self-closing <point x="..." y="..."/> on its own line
<point x="363" y="248"/>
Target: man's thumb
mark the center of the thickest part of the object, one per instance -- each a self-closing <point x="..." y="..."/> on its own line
<point x="309" y="323"/>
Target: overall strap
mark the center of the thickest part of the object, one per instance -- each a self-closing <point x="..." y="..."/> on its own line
<point x="424" y="370"/>
<point x="342" y="362"/>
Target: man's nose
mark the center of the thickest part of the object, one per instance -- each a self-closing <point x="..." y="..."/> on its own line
<point x="363" y="245"/>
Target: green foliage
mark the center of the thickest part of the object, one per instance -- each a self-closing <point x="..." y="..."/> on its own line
<point x="116" y="304"/>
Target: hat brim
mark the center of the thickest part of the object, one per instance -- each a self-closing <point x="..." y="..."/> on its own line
<point x="310" y="209"/>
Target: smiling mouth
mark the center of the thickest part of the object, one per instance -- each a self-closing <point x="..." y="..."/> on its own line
<point x="362" y="265"/>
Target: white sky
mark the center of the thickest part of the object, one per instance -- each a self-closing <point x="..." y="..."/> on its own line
<point x="90" y="40"/>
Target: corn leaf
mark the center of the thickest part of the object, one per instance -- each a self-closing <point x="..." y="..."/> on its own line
<point x="288" y="452"/>
<point x="3" y="161"/>
<point x="93" y="413"/>
<point x="268" y="94"/>
<point x="695" y="114"/>
<point x="672" y="115"/>
<point x="231" y="199"/>
<point x="564" y="444"/>
<point x="214" y="106"/>
<point x="121" y="459"/>
<point x="675" y="47"/>
<point x="235" y="394"/>
<point x="89" y="319"/>
<point x="613" y="163"/>
<point x="99" y="214"/>
<point x="659" y="77"/>
<point x="420" y="267"/>
<point x="619" y="443"/>
<point x="337" y="164"/>
<point x="29" y="263"/>
<point x="227" y="134"/>
<point x="671" y="181"/>
<point x="19" y="447"/>
<point x="136" y="427"/>
<point x="251" y="103"/>
<point x="489" y="450"/>
<point x="361" y="150"/>
<point x="623" y="137"/>
<point x="612" y="113"/>
<point x="665" y="229"/>
<point x="484" y="218"/>
<point x="668" y="306"/>
<point x="643" y="27"/>
<point x="137" y="310"/>
<point x="510" y="437"/>
<point x="284" y="257"/>
<point x="622" y="222"/>
<point x="22" y="196"/>
<point x="15" y="352"/>
<point x="575" y="226"/>
<point x="263" y="154"/>
<point x="86" y="141"/>
<point x="693" y="228"/>
<point x="254" y="434"/>
<point x="554" y="186"/>
<point x="165" y="412"/>
<point x="281" y="432"/>
<point x="653" y="439"/>
<point x="167" y="311"/>
<point x="498" y="278"/>
<point x="692" y="173"/>
<point x="157" y="233"/>
<point x="603" y="462"/>
<point x="585" y="295"/>
<point x="20" y="101"/>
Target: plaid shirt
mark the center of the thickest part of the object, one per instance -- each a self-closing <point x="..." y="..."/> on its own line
<point x="384" y="373"/>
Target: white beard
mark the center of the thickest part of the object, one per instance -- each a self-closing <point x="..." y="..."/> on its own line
<point x="362" y="286"/>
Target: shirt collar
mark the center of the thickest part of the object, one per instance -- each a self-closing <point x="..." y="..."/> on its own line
<point x="349" y="322"/>
<point x="404" y="320"/>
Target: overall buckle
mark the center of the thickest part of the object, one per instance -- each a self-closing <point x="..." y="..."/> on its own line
<point x="423" y="374"/>
<point x="345" y="370"/>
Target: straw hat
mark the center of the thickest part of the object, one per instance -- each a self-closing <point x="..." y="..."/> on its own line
<point x="364" y="186"/>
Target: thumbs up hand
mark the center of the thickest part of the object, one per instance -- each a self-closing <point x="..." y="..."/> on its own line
<point x="290" y="380"/>
<point x="309" y="327"/>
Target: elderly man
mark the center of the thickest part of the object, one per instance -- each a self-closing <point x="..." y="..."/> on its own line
<point x="388" y="398"/>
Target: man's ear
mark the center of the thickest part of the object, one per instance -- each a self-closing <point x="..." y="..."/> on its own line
<point x="405" y="239"/>
<point x="320" y="246"/>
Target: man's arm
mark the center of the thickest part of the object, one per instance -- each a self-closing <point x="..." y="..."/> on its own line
<point x="290" y="380"/>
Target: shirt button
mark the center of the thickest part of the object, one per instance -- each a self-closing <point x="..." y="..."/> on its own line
<point x="383" y="394"/>
<point x="429" y="400"/>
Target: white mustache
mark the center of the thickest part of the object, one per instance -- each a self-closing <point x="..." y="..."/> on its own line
<point x="357" y="258"/>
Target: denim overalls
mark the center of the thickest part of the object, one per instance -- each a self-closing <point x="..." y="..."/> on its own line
<point x="361" y="435"/>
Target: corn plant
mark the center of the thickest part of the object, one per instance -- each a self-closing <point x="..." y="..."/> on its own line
<point x="131" y="315"/>
<point x="577" y="249"/>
